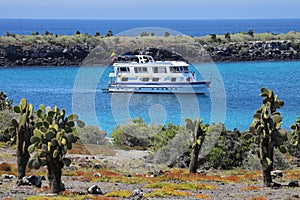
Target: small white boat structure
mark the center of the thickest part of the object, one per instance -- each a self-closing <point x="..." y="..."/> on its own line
<point x="141" y="74"/>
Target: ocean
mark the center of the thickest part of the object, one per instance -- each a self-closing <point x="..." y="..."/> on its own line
<point x="187" y="27"/>
<point x="78" y="89"/>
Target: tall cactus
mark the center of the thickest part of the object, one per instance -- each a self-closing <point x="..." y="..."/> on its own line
<point x="52" y="137"/>
<point x="198" y="131"/>
<point x="265" y="131"/>
<point x="21" y="131"/>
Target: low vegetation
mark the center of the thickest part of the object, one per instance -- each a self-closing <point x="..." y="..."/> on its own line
<point x="48" y="39"/>
<point x="91" y="135"/>
<point x="45" y="135"/>
<point x="248" y="36"/>
<point x="93" y="40"/>
<point x="232" y="149"/>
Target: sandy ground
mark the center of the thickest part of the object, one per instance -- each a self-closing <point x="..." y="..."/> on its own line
<point x="132" y="162"/>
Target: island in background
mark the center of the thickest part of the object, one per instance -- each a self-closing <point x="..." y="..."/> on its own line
<point x="63" y="50"/>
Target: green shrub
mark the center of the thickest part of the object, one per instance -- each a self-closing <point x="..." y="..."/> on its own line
<point x="135" y="134"/>
<point x="91" y="135"/>
<point x="176" y="153"/>
<point x="6" y="114"/>
<point x="162" y="138"/>
<point x="5" y="122"/>
<point x="230" y="150"/>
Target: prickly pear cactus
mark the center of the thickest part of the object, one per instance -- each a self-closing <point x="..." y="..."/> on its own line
<point x="53" y="136"/>
<point x="5" y="102"/>
<point x="21" y="130"/>
<point x="198" y="131"/>
<point x="295" y="140"/>
<point x="265" y="130"/>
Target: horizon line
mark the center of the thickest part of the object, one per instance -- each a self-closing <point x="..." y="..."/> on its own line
<point x="257" y="18"/>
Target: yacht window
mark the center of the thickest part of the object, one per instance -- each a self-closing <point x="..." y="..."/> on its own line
<point x="125" y="79"/>
<point x="124" y="69"/>
<point x="159" y="70"/>
<point x="145" y="79"/>
<point x="140" y="69"/>
<point x="155" y="79"/>
<point x="173" y="79"/>
<point x="185" y="69"/>
<point x="174" y="69"/>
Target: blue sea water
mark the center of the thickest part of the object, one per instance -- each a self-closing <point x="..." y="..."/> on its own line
<point x="188" y="27"/>
<point x="78" y="89"/>
<point x="242" y="81"/>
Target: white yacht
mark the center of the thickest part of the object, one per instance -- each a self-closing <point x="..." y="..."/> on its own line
<point x="142" y="74"/>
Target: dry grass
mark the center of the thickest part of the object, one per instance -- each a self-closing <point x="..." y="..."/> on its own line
<point x="165" y="192"/>
<point x="258" y="198"/>
<point x="79" y="148"/>
<point x="7" y="168"/>
<point x="250" y="188"/>
<point x="28" y="40"/>
<point x="92" y="149"/>
<point x="202" y="196"/>
<point x="292" y="174"/>
<point x="169" y="184"/>
<point x="181" y="186"/>
<point x="119" y="194"/>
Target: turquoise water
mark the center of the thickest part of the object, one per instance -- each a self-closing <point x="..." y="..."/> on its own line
<point x="242" y="81"/>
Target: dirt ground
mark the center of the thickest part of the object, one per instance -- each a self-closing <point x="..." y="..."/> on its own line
<point x="129" y="164"/>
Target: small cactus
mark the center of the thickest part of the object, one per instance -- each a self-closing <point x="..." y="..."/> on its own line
<point x="265" y="131"/>
<point x="198" y="131"/>
<point x="295" y="140"/>
<point x="53" y="136"/>
<point x="5" y="102"/>
<point x="295" y="137"/>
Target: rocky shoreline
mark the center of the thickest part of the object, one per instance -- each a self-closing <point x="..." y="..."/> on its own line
<point x="74" y="55"/>
<point x="37" y="55"/>
<point x="254" y="51"/>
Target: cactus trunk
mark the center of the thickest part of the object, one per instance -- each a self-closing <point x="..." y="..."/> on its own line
<point x="267" y="178"/>
<point x="194" y="159"/>
<point x="23" y="155"/>
<point x="267" y="151"/>
<point x="199" y="132"/>
<point x="54" y="175"/>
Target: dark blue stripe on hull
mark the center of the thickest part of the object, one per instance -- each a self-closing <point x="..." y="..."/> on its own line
<point x="177" y="84"/>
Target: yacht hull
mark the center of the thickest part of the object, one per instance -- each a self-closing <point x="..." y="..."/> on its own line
<point x="163" y="88"/>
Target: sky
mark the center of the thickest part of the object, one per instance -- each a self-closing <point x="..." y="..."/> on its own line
<point x="149" y="9"/>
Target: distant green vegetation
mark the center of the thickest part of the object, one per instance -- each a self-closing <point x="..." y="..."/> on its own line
<point x="93" y="40"/>
<point x="249" y="36"/>
<point x="48" y="40"/>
